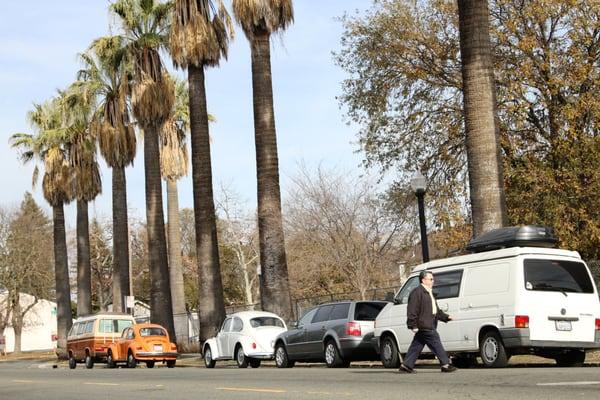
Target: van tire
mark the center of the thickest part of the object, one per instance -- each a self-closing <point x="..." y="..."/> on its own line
<point x="89" y="361"/>
<point x="492" y="351"/>
<point x="388" y="352"/>
<point x="254" y="362"/>
<point x="571" y="358"/>
<point x="72" y="362"/>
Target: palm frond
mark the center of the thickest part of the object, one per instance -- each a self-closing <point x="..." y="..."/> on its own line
<point x="263" y="16"/>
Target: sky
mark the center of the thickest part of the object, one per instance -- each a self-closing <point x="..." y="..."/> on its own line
<point x="39" y="43"/>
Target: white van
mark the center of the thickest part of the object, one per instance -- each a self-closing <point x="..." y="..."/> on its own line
<point x="515" y="300"/>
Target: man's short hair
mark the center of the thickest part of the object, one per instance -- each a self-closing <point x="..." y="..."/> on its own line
<point x="423" y="274"/>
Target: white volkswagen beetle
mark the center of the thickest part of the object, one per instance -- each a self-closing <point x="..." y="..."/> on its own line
<point x="246" y="337"/>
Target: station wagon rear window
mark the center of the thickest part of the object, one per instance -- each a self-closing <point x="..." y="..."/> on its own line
<point x="266" y="321"/>
<point x="559" y="276"/>
<point x="367" y="311"/>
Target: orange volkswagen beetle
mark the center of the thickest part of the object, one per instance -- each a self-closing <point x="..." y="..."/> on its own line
<point x="142" y="343"/>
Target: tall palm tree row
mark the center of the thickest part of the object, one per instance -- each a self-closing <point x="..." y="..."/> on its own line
<point x="174" y="162"/>
<point x="145" y="26"/>
<point x="200" y="34"/>
<point x="106" y="75"/>
<point x="488" y="203"/>
<point x="259" y="19"/>
<point x="48" y="145"/>
<point x="76" y="108"/>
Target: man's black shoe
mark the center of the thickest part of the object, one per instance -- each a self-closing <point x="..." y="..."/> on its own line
<point x="406" y="370"/>
<point x="449" y="368"/>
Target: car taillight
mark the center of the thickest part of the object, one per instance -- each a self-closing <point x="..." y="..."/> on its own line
<point x="253" y="345"/>
<point x="598" y="324"/>
<point x="139" y="348"/>
<point x="173" y="346"/>
<point x="353" y="329"/>
<point x="521" y="321"/>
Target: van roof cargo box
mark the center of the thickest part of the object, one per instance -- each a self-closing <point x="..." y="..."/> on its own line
<point x="514" y="236"/>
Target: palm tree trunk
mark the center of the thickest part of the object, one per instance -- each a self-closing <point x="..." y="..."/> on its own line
<point x="274" y="283"/>
<point x="488" y="203"/>
<point x="180" y="318"/>
<point x="84" y="269"/>
<point x="161" y="311"/>
<point x="120" y="239"/>
<point x="211" y="311"/>
<point x="61" y="276"/>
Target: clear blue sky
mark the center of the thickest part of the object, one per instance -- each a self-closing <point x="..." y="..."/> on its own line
<point x="39" y="43"/>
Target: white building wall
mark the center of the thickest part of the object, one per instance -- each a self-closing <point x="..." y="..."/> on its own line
<point x="39" y="326"/>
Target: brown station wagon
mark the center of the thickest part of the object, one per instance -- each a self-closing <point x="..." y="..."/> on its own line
<point x="90" y="337"/>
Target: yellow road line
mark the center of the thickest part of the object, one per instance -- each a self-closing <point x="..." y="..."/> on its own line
<point x="101" y="383"/>
<point x="251" y="390"/>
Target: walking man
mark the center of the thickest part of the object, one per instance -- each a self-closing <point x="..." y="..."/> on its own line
<point x="423" y="314"/>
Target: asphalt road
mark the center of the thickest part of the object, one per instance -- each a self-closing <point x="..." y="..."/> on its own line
<point x="27" y="380"/>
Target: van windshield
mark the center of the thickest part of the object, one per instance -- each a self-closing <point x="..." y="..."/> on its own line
<point x="559" y="276"/>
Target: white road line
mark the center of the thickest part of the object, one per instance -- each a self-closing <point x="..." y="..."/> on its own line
<point x="251" y="390"/>
<point x="101" y="383"/>
<point x="569" y="383"/>
<point x="22" y="381"/>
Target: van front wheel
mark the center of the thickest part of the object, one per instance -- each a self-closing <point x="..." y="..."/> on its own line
<point x="389" y="353"/>
<point x="492" y="351"/>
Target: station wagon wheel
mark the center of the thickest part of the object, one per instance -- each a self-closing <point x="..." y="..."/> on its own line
<point x="110" y="361"/>
<point x="89" y="361"/>
<point x="281" y="357"/>
<point x="171" y="364"/>
<point x="254" y="362"/>
<point x="208" y="360"/>
<point x="333" y="359"/>
<point x="389" y="352"/>
<point x="72" y="362"/>
<point x="240" y="357"/>
<point x="131" y="361"/>
<point x="149" y="364"/>
<point x="492" y="351"/>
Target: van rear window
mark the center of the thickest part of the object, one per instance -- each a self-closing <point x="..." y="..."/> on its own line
<point x="559" y="276"/>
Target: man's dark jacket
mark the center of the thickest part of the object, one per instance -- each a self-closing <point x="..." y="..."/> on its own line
<point x="420" y="310"/>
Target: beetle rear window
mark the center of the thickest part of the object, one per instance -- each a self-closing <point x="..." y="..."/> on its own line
<point x="266" y="321"/>
<point x="152" y="332"/>
<point x="557" y="276"/>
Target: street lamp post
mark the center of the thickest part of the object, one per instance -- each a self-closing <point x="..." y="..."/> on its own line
<point x="419" y="185"/>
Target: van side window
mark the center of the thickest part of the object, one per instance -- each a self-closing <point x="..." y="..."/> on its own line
<point x="89" y="327"/>
<point x="122" y="324"/>
<point x="73" y="330"/>
<point x="80" y="326"/>
<point x="322" y="314"/>
<point x="409" y="285"/>
<point x="447" y="284"/>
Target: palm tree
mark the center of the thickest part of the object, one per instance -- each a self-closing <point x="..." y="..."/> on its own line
<point x="105" y="75"/>
<point x="145" y="28"/>
<point x="57" y="186"/>
<point x="200" y="34"/>
<point x="174" y="165"/>
<point x="488" y="203"/>
<point x="76" y="108"/>
<point x="260" y="18"/>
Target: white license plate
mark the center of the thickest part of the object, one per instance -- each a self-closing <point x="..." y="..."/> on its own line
<point x="158" y="347"/>
<point x="563" y="325"/>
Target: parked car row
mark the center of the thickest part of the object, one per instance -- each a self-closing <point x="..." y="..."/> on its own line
<point x="514" y="295"/>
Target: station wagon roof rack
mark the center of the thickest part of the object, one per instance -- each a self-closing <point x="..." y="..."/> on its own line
<point x="514" y="236"/>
